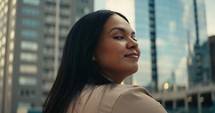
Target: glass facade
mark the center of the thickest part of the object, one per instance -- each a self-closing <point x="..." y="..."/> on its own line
<point x="199" y="66"/>
<point x="143" y="76"/>
<point x="171" y="41"/>
<point x="175" y="42"/>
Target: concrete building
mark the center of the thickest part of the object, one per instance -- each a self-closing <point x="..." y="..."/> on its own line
<point x="56" y="30"/>
<point x="32" y="36"/>
<point x="200" y="99"/>
<point x="21" y="50"/>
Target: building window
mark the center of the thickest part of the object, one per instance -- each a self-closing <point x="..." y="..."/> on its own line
<point x="5" y="9"/>
<point x="27" y="81"/>
<point x="32" y="2"/>
<point x="10" y="69"/>
<point x="11" y="57"/>
<point x="30" y="22"/>
<point x="80" y="10"/>
<point x="12" y="34"/>
<point x="30" y="57"/>
<point x="26" y="45"/>
<point x="13" y="23"/>
<point x="27" y="93"/>
<point x="13" y="12"/>
<point x="29" y="34"/>
<point x="3" y="40"/>
<point x="84" y="1"/>
<point x="14" y="2"/>
<point x="23" y="104"/>
<point x="30" y="11"/>
<point x="25" y="68"/>
<point x="2" y="62"/>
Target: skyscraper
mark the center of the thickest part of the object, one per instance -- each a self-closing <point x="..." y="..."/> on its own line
<point x="56" y="30"/>
<point x="32" y="36"/>
<point x="167" y="28"/>
<point x="163" y="30"/>
<point x="20" y="48"/>
<point x="199" y="63"/>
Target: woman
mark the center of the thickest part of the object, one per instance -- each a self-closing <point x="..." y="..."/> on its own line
<point x="100" y="51"/>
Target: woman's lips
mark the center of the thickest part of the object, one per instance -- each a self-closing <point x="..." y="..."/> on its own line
<point x="132" y="55"/>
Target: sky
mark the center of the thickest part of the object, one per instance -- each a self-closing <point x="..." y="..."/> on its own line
<point x="210" y="15"/>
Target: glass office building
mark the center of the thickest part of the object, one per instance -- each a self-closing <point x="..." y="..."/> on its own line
<point x="171" y="35"/>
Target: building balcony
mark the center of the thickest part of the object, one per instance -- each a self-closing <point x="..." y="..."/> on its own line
<point x="48" y="52"/>
<point x="50" y="31"/>
<point x="50" y="20"/>
<point x="65" y="22"/>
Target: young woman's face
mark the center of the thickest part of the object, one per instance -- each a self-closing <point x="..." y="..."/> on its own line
<point x="117" y="52"/>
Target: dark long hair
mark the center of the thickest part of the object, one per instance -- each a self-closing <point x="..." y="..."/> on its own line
<point x="77" y="68"/>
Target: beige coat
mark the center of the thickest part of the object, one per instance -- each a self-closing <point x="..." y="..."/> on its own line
<point x="115" y="99"/>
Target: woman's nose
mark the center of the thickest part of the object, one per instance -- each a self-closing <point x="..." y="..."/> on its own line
<point x="132" y="43"/>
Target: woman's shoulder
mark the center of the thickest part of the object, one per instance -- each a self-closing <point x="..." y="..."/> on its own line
<point x="128" y="99"/>
<point x="136" y="88"/>
<point x="135" y="99"/>
<point x="119" y="89"/>
<point x="116" y="98"/>
<point x="114" y="91"/>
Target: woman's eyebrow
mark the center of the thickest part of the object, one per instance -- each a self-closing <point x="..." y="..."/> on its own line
<point x="117" y="28"/>
<point x="120" y="29"/>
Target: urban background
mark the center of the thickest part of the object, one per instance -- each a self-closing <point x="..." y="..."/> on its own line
<point x="176" y="38"/>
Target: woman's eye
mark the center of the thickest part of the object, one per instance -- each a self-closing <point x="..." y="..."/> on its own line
<point x="134" y="39"/>
<point x="118" y="37"/>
